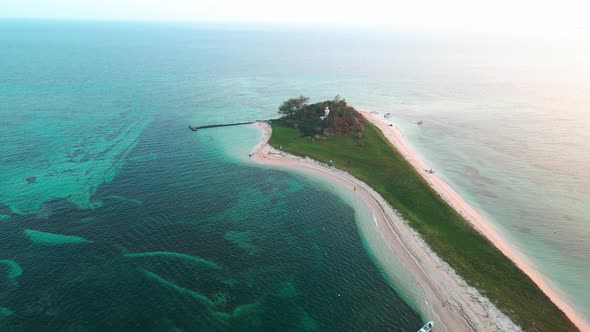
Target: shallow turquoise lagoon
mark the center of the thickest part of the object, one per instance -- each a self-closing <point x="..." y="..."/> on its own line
<point x="115" y="216"/>
<point x="95" y="146"/>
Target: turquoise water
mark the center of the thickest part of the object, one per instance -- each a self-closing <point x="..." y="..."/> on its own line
<point x="510" y="133"/>
<point x="95" y="146"/>
<point x="115" y="216"/>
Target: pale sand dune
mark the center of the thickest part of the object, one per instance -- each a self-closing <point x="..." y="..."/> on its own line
<point x="478" y="222"/>
<point x="451" y="303"/>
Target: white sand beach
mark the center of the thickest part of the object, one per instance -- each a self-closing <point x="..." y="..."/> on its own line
<point x="473" y="217"/>
<point x="451" y="303"/>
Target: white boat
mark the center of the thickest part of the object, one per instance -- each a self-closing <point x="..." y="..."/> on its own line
<point x="427" y="328"/>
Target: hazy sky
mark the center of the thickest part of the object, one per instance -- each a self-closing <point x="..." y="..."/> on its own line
<point x="472" y="13"/>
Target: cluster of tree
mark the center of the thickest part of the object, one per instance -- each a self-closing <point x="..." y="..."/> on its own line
<point x="342" y="120"/>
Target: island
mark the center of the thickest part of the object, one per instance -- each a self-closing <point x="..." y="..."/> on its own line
<point x="472" y="280"/>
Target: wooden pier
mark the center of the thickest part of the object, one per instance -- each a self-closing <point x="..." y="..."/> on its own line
<point x="195" y="128"/>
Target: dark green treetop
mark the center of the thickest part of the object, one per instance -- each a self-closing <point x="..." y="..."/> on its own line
<point x="290" y="107"/>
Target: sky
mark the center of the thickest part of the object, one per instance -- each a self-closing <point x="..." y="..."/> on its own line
<point x="420" y="13"/>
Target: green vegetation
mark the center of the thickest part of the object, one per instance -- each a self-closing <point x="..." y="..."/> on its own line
<point x="366" y="154"/>
<point x="343" y="119"/>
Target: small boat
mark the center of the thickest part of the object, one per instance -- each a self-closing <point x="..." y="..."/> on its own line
<point x="419" y="123"/>
<point x="387" y="115"/>
<point x="427" y="328"/>
<point x="193" y="128"/>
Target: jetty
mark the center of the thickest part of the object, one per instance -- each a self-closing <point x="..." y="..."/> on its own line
<point x="195" y="128"/>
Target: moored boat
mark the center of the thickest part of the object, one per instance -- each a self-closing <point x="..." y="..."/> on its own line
<point x="427" y="328"/>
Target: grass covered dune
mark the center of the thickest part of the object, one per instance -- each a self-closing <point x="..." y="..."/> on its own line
<point x="367" y="155"/>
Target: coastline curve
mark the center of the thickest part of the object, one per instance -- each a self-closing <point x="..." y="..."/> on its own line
<point x="458" y="306"/>
<point x="483" y="226"/>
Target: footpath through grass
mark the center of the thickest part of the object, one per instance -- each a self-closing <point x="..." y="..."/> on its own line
<point x="473" y="257"/>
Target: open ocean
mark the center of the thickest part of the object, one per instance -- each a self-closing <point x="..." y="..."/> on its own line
<point x="115" y="216"/>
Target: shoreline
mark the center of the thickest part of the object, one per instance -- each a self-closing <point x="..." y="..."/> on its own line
<point x="453" y="304"/>
<point x="393" y="135"/>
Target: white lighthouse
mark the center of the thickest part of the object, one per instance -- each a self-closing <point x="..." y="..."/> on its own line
<point x="326" y="113"/>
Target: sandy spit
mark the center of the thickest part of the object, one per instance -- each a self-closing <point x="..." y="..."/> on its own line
<point x="474" y="218"/>
<point x="449" y="301"/>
